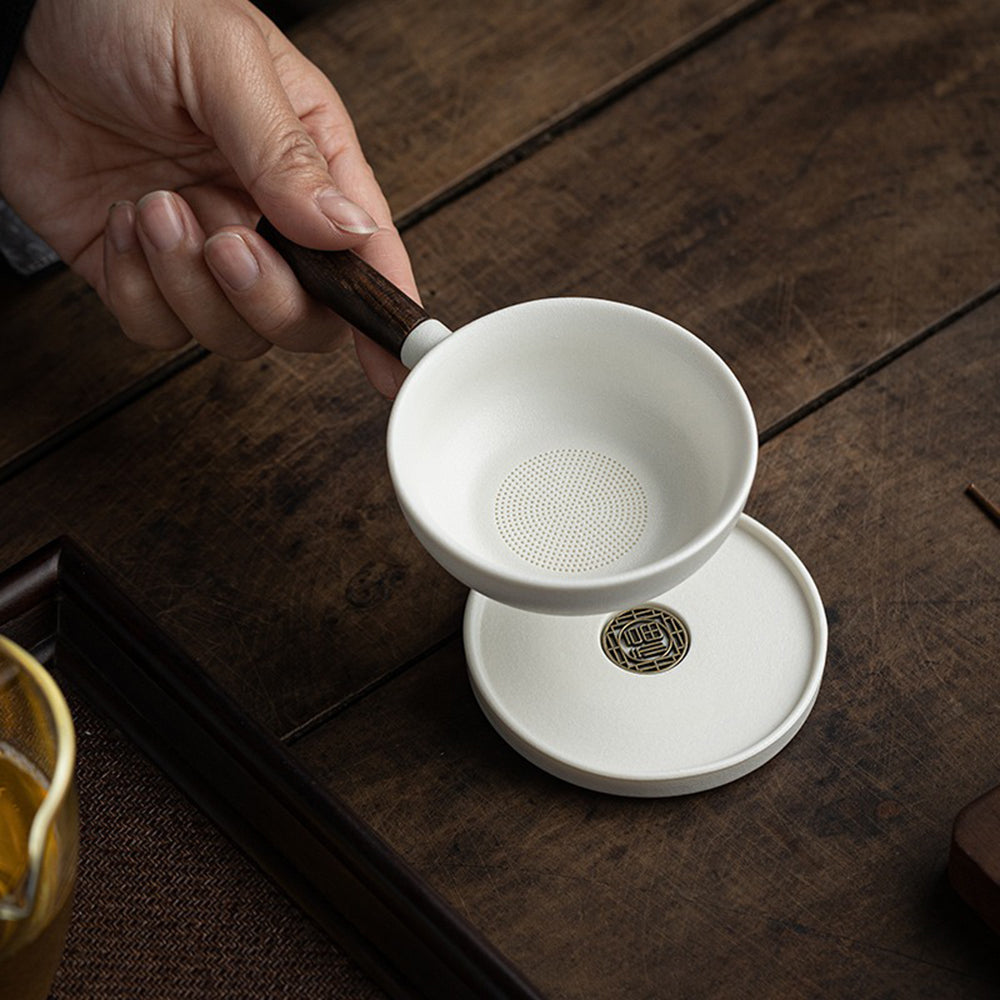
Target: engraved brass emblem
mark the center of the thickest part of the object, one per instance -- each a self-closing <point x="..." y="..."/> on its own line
<point x="646" y="639"/>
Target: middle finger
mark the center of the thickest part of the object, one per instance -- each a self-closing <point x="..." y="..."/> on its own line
<point x="172" y="241"/>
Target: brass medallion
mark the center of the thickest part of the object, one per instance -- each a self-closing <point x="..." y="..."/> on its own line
<point x="646" y="639"/>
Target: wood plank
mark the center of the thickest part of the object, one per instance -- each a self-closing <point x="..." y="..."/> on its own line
<point x="247" y="508"/>
<point x="806" y="194"/>
<point x="316" y="851"/>
<point x="239" y="505"/>
<point x="62" y="356"/>
<point x="435" y="92"/>
<point x="823" y="873"/>
<point x="460" y="84"/>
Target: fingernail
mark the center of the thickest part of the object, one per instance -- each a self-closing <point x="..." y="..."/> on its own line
<point x="121" y="226"/>
<point x="160" y="220"/>
<point x="345" y="215"/>
<point x="233" y="260"/>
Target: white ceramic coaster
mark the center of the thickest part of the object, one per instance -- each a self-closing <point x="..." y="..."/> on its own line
<point x="689" y="691"/>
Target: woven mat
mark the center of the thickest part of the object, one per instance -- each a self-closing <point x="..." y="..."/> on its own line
<point x="167" y="908"/>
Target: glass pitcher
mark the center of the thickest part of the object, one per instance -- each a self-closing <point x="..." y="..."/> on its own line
<point x="38" y="824"/>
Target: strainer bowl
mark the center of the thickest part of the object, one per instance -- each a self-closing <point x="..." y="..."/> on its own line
<point x="571" y="456"/>
<point x="565" y="456"/>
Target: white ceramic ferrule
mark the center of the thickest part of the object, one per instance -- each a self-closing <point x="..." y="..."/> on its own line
<point x="421" y="339"/>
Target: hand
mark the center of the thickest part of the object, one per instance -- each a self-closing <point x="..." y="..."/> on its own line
<point x="131" y="130"/>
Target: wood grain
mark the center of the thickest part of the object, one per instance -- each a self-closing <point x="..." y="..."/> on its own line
<point x="470" y="83"/>
<point x="434" y="90"/>
<point x="815" y="193"/>
<point x="59" y="605"/>
<point x="823" y="873"/>
<point x="62" y="356"/>
<point x="247" y="508"/>
<point x="805" y="194"/>
<point x="353" y="289"/>
<point x="253" y="503"/>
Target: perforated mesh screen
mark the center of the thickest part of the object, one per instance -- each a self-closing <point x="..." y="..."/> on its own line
<point x="571" y="510"/>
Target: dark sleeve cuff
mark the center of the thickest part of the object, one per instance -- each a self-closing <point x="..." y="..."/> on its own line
<point x="26" y="252"/>
<point x="14" y="16"/>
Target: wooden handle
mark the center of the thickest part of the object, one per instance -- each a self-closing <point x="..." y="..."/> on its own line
<point x="353" y="289"/>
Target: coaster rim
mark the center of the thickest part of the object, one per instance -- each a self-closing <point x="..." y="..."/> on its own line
<point x="657" y="782"/>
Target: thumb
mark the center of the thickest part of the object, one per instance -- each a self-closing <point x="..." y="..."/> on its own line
<point x="245" y="108"/>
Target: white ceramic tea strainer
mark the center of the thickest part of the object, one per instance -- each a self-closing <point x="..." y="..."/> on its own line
<point x="582" y="466"/>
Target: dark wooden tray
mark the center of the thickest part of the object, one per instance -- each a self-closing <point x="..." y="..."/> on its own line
<point x="60" y="605"/>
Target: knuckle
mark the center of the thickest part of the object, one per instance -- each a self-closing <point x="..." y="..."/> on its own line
<point x="125" y="297"/>
<point x="293" y="327"/>
<point x="279" y="320"/>
<point x="145" y="321"/>
<point x="155" y="333"/>
<point x="292" y="151"/>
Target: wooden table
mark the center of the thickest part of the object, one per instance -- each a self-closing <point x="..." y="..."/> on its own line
<point x="813" y="187"/>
